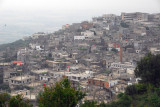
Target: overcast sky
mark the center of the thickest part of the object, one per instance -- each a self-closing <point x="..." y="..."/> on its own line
<point x="24" y="17"/>
<point x="114" y="6"/>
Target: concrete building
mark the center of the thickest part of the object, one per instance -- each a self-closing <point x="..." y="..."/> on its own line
<point x="113" y="45"/>
<point x="44" y="77"/>
<point x="98" y="82"/>
<point x="39" y="48"/>
<point x="21" y="80"/>
<point x="65" y="26"/>
<point x="87" y="33"/>
<point x="37" y="35"/>
<point x="122" y="65"/>
<point x="137" y="16"/>
<point x="79" y="37"/>
<point x="80" y="76"/>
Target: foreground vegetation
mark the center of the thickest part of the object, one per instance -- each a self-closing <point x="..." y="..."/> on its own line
<point x="16" y="101"/>
<point x="62" y="95"/>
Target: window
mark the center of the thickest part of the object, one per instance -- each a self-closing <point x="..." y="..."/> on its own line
<point x="93" y="82"/>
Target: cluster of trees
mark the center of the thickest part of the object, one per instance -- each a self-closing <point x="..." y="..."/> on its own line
<point x="62" y="95"/>
<point x="148" y="69"/>
<point x="16" y="101"/>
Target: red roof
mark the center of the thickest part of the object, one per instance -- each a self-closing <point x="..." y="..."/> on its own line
<point x="15" y="62"/>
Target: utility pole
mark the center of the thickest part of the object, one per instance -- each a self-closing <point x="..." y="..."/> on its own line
<point x="121" y="54"/>
<point x="21" y="74"/>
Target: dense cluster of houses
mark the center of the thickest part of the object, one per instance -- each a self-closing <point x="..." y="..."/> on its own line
<point x="97" y="56"/>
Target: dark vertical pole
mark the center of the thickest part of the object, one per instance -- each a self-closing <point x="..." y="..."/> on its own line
<point x="120" y="54"/>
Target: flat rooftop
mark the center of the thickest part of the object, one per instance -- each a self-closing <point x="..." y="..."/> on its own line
<point x="40" y="71"/>
<point x="5" y="63"/>
<point x="66" y="72"/>
<point x="34" y="84"/>
<point x="18" y="78"/>
<point x="56" y="62"/>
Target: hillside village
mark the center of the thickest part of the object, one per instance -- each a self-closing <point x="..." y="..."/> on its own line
<point x="97" y="56"/>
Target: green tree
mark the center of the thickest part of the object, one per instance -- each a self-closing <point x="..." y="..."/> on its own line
<point x="148" y="69"/>
<point x="123" y="101"/>
<point x="4" y="98"/>
<point x="103" y="104"/>
<point x="19" y="101"/>
<point x="154" y="100"/>
<point x="62" y="95"/>
<point x="142" y="88"/>
<point x="131" y="90"/>
<point x="88" y="103"/>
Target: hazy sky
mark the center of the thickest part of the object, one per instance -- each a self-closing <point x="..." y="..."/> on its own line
<point x="115" y="6"/>
<point x="24" y="17"/>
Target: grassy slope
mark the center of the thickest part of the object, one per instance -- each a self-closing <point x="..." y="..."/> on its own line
<point x="15" y="45"/>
